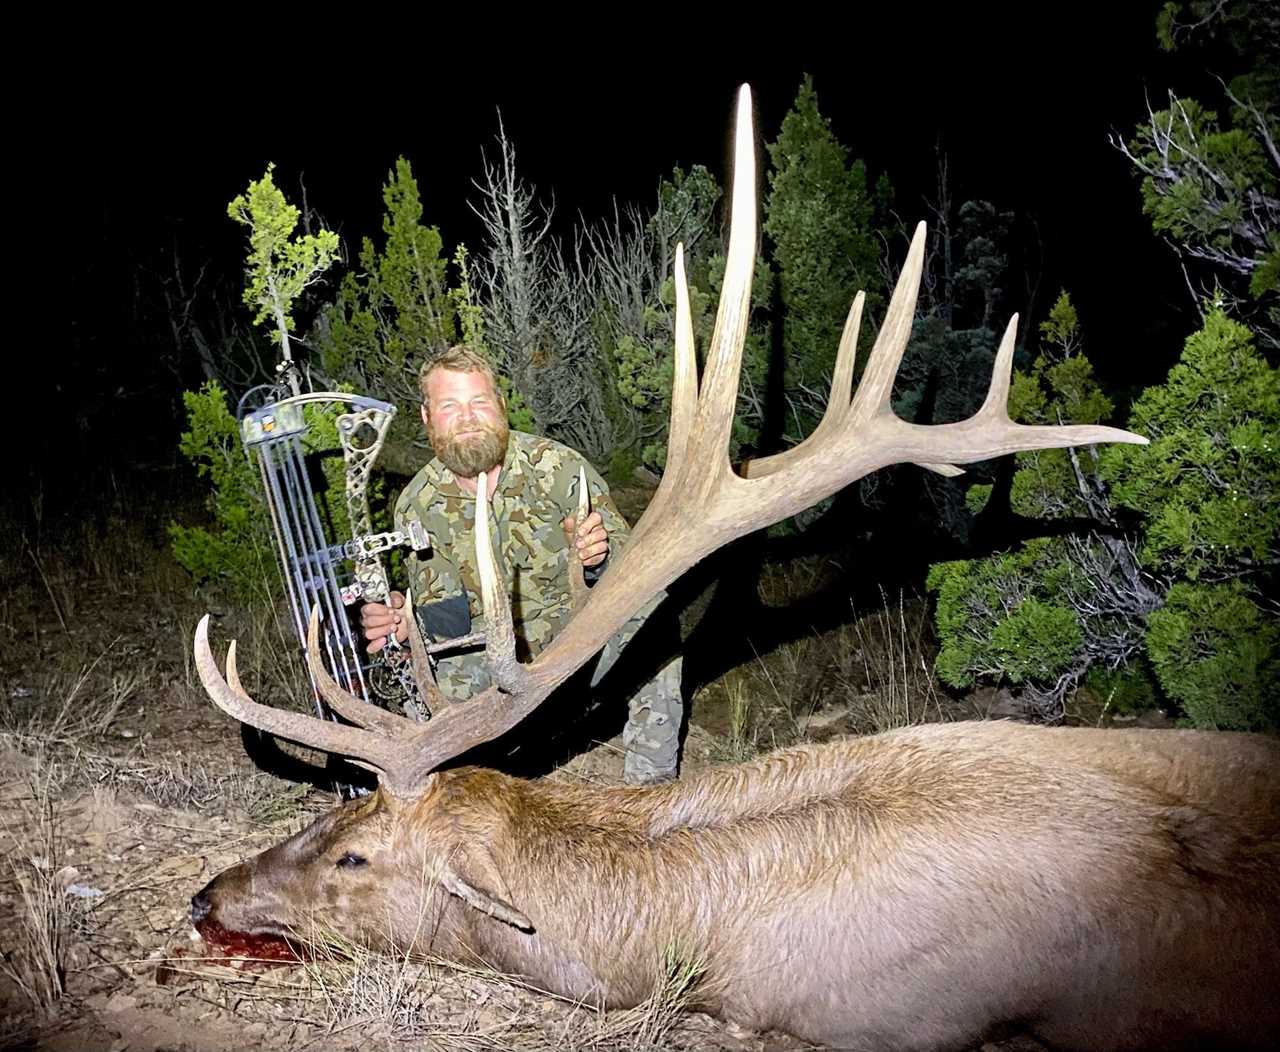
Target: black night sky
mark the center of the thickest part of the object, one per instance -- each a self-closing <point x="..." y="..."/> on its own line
<point x="157" y="142"/>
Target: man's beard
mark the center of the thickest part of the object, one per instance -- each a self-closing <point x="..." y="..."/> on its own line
<point x="466" y="455"/>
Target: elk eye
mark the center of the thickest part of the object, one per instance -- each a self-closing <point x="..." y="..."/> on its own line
<point x="349" y="860"/>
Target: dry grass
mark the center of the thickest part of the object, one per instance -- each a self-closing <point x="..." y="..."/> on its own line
<point x="49" y="915"/>
<point x="892" y="684"/>
<point x="439" y="1005"/>
<point x="870" y="674"/>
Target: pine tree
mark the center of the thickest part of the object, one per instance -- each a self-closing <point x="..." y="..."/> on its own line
<point x="819" y="217"/>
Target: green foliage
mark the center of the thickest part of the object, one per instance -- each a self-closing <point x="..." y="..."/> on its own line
<point x="1036" y="641"/>
<point x="1124" y="691"/>
<point x="1211" y="182"/>
<point x="1204" y="199"/>
<point x="1204" y="492"/>
<point x="280" y="266"/>
<point x="1004" y="616"/>
<point x="1249" y="28"/>
<point x="819" y="216"/>
<point x="984" y="261"/>
<point x="1043" y="615"/>
<point x="1209" y="482"/>
<point x="396" y="309"/>
<point x="236" y="553"/>
<point x="686" y="213"/>
<point x="1207" y="487"/>
<point x="470" y="313"/>
<point x="622" y="466"/>
<point x="1218" y="656"/>
<point x="1060" y="388"/>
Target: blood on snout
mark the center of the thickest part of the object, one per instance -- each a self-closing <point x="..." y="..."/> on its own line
<point x="255" y="951"/>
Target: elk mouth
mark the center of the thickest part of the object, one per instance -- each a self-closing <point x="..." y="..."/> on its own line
<point x="261" y="945"/>
<point x="252" y="946"/>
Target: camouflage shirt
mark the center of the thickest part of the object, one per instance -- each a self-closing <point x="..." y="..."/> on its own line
<point x="537" y="489"/>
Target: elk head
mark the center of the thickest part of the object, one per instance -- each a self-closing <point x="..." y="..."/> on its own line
<point x="701" y="504"/>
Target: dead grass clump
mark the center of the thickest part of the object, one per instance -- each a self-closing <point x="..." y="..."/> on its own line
<point x="652" y="1023"/>
<point x="871" y="674"/>
<point x="49" y="915"/>
<point x="442" y="1005"/>
<point x="75" y="705"/>
<point x="886" y="677"/>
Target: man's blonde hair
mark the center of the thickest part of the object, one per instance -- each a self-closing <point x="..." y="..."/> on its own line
<point x="459" y="359"/>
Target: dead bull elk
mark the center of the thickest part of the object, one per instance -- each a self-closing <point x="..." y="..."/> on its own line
<point x="915" y="890"/>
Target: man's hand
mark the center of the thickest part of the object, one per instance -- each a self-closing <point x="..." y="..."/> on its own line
<point x="379" y="621"/>
<point x="591" y="539"/>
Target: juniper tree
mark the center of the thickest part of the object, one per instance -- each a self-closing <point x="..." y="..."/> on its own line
<point x="280" y="265"/>
<point x="1210" y="170"/>
<point x="819" y="216"/>
<point x="1207" y="489"/>
<point x="1045" y="615"/>
<point x="391" y="311"/>
<point x="1190" y="590"/>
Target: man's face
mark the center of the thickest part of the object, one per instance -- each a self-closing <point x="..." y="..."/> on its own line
<point x="465" y="421"/>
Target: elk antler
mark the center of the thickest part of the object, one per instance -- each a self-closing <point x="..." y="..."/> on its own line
<point x="701" y="504"/>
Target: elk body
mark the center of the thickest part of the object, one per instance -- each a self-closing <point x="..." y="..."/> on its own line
<point x="916" y="890"/>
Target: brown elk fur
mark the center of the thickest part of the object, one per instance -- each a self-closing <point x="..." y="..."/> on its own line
<point x="915" y="890"/>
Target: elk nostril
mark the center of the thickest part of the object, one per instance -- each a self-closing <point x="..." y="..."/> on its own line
<point x="201" y="906"/>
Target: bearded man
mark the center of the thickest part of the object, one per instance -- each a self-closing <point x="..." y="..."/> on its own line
<point x="533" y="504"/>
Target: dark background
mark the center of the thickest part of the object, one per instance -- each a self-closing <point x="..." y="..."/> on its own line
<point x="143" y="146"/>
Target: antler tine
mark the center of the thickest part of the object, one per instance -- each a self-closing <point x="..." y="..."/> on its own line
<point x="233" y="673"/>
<point x="839" y="404"/>
<point x="432" y="695"/>
<point x="709" y="441"/>
<point x="993" y="423"/>
<point x="995" y="407"/>
<point x="684" y="389"/>
<point x="891" y="342"/>
<point x="347" y="705"/>
<point x="293" y="726"/>
<point x="684" y="398"/>
<point x="500" y="639"/>
<point x="577" y="576"/>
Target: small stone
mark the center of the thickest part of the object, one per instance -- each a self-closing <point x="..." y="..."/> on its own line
<point x="121" y="1003"/>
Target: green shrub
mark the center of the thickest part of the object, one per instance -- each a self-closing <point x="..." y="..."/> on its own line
<point x="1218" y="656"/>
<point x="1203" y="496"/>
<point x="1002" y="617"/>
<point x="1124" y="691"/>
<point x="236" y="552"/>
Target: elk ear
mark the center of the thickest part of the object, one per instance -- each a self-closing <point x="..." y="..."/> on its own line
<point x="475" y="879"/>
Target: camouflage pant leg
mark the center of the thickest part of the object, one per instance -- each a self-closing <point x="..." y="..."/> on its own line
<point x="655" y="712"/>
<point x="652" y="733"/>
